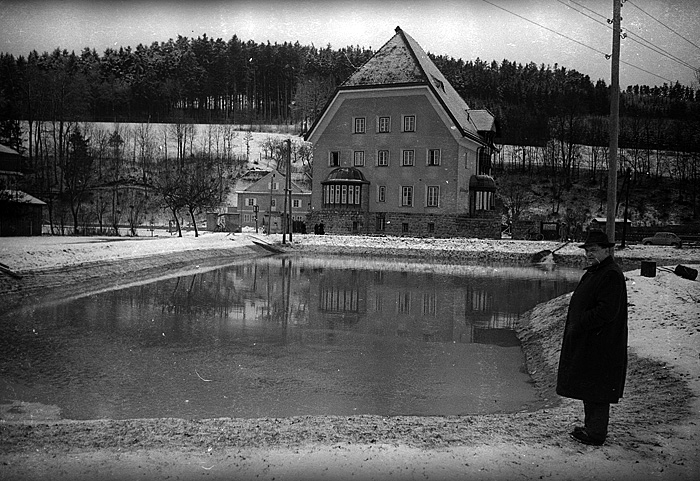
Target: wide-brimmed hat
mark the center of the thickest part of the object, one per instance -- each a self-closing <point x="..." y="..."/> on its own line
<point x="597" y="237"/>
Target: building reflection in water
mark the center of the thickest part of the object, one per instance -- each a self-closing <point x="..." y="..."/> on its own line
<point x="441" y="303"/>
<point x="284" y="336"/>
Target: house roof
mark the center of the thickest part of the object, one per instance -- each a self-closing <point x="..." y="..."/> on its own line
<point x="261" y="186"/>
<point x="402" y="62"/>
<point x="7" y="150"/>
<point x="346" y="174"/>
<point x="21" y="197"/>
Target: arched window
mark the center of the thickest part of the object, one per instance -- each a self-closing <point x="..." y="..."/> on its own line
<point x="343" y="188"/>
<point x="482" y="193"/>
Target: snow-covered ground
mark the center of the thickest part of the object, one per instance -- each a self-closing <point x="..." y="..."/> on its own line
<point x="664" y="324"/>
<point x="31" y="253"/>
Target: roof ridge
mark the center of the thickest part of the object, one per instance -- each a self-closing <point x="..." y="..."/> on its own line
<point x="357" y="69"/>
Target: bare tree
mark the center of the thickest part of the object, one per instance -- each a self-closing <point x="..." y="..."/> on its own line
<point x="515" y="193"/>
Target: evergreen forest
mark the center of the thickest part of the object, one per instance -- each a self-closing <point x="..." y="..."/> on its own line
<point x="552" y="121"/>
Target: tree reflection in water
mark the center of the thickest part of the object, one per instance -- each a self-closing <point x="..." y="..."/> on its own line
<point x="281" y="336"/>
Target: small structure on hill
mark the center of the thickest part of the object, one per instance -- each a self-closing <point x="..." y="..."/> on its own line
<point x="21" y="214"/>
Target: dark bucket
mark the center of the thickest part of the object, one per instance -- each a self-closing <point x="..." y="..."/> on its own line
<point x="648" y="269"/>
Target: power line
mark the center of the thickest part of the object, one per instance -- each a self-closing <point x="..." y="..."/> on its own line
<point x="659" y="50"/>
<point x="654" y="18"/>
<point x="586" y="8"/>
<point x="546" y="28"/>
<point x="646" y="44"/>
<point x="607" y="56"/>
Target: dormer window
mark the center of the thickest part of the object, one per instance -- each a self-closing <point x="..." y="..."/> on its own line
<point x="438" y="83"/>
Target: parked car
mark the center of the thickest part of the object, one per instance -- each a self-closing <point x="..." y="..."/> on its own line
<point x="663" y="239"/>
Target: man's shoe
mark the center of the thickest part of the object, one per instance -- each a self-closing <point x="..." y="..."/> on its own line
<point x="578" y="429"/>
<point x="582" y="436"/>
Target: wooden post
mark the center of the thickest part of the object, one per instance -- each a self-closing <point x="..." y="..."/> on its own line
<point x="290" y="222"/>
<point x="614" y="122"/>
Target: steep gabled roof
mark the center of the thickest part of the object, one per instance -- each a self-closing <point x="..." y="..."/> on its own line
<point x="262" y="185"/>
<point x="402" y="62"/>
<point x="394" y="63"/>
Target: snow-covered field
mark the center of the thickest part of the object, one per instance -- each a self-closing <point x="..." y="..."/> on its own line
<point x="664" y="326"/>
<point x="30" y="253"/>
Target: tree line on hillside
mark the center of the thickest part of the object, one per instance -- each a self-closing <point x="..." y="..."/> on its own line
<point x="545" y="113"/>
<point x="202" y="79"/>
<point x="206" y="80"/>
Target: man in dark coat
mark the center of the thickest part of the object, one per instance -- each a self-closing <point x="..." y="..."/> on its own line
<point x="593" y="359"/>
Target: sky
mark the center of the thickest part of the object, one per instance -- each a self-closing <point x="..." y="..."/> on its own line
<point x="663" y="36"/>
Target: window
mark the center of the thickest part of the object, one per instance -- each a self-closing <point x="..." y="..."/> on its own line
<point x="408" y="157"/>
<point x="250" y="201"/>
<point x="431" y="227"/>
<point x="334" y="159"/>
<point x="483" y="200"/>
<point x="404" y="227"/>
<point x="360" y="125"/>
<point x="341" y="194"/>
<point x="409" y="123"/>
<point x="407" y="196"/>
<point x="432" y="196"/>
<point x="434" y="157"/>
<point x="273" y="185"/>
<point x="403" y="303"/>
<point x="359" y="158"/>
<point x="381" y="193"/>
<point x="384" y="125"/>
<point x="430" y="303"/>
<point x="296" y="203"/>
<point x="380" y="223"/>
<point x="383" y="158"/>
<point x="483" y="166"/>
<point x="438" y="83"/>
<point x="247" y="218"/>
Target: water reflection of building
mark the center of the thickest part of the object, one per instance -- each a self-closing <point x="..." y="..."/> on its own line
<point x="318" y="295"/>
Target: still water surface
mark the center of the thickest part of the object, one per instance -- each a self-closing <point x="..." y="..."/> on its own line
<point x="285" y="336"/>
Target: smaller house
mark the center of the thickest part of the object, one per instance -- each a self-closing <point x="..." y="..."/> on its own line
<point x="20" y="213"/>
<point x="261" y="204"/>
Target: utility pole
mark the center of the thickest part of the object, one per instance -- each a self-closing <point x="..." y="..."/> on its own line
<point x="287" y="195"/>
<point x="614" y="121"/>
<point x="269" y="221"/>
<point x="289" y="186"/>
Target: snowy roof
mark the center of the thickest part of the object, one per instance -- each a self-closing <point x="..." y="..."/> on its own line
<point x="21" y="197"/>
<point x="483" y="120"/>
<point x="263" y="185"/>
<point x="7" y="150"/>
<point x="402" y="62"/>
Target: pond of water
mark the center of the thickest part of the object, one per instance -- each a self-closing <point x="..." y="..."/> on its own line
<point x="283" y="336"/>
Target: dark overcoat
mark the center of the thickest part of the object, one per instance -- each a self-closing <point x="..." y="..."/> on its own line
<point x="593" y="359"/>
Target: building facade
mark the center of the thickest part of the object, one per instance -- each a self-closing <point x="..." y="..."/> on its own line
<point x="21" y="214"/>
<point x="261" y="204"/>
<point x="398" y="151"/>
